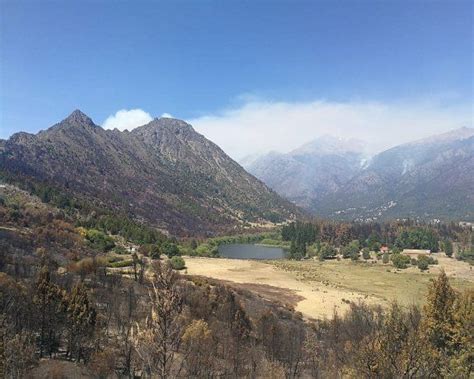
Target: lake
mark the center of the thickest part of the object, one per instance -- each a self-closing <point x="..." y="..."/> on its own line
<point x="250" y="251"/>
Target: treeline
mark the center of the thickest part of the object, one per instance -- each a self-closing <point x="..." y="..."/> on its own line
<point x="45" y="192"/>
<point x="122" y="226"/>
<point x="398" y="235"/>
<point x="87" y="214"/>
<point x="210" y="247"/>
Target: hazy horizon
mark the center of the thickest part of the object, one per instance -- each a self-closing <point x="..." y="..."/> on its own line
<point x="250" y="77"/>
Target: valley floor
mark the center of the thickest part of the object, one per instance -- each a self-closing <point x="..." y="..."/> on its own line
<point x="317" y="289"/>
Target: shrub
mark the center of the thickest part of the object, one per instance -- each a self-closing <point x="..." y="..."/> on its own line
<point x="87" y="265"/>
<point x="355" y="255"/>
<point x="312" y="250"/>
<point x="424" y="261"/>
<point x="466" y="255"/>
<point x="432" y="261"/>
<point x="270" y="241"/>
<point x="345" y="252"/>
<point x="177" y="263"/>
<point x="365" y="253"/>
<point x="400" y="261"/>
<point x="206" y="250"/>
<point x="98" y="240"/>
<point x="422" y="264"/>
<point x="185" y="250"/>
<point x="385" y="258"/>
<point x="155" y="254"/>
<point x="170" y="249"/>
<point x="326" y="251"/>
<point x="126" y="263"/>
<point x="120" y="250"/>
<point x="114" y="259"/>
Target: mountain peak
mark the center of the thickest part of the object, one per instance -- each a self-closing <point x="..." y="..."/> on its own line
<point x="446" y="137"/>
<point x="78" y="117"/>
<point x="164" y="124"/>
<point x="328" y="144"/>
<point x="171" y="122"/>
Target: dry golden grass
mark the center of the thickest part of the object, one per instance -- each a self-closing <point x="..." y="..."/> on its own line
<point x="324" y="287"/>
<point x="377" y="280"/>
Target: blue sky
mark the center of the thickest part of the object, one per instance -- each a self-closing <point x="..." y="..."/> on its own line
<point x="202" y="59"/>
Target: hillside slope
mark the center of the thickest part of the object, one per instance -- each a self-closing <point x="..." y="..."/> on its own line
<point x="430" y="178"/>
<point x="163" y="173"/>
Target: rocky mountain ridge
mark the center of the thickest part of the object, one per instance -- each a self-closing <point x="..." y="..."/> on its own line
<point x="163" y="173"/>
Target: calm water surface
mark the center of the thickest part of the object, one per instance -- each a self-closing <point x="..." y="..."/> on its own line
<point x="249" y="251"/>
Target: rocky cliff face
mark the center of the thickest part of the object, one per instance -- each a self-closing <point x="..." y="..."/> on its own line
<point x="164" y="173"/>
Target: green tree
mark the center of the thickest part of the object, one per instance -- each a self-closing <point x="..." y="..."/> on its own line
<point x="402" y="241"/>
<point x="345" y="251"/>
<point x="396" y="250"/>
<point x="365" y="253"/>
<point x="461" y="365"/>
<point x="373" y="242"/>
<point x="297" y="251"/>
<point x="376" y="246"/>
<point x="448" y="247"/>
<point x="351" y="250"/>
<point x="170" y="249"/>
<point x="439" y="313"/>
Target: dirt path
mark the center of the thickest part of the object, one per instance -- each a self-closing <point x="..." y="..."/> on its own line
<point x="315" y="300"/>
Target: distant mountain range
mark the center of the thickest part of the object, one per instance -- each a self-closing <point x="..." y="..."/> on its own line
<point x="430" y="178"/>
<point x="311" y="172"/>
<point x="163" y="173"/>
